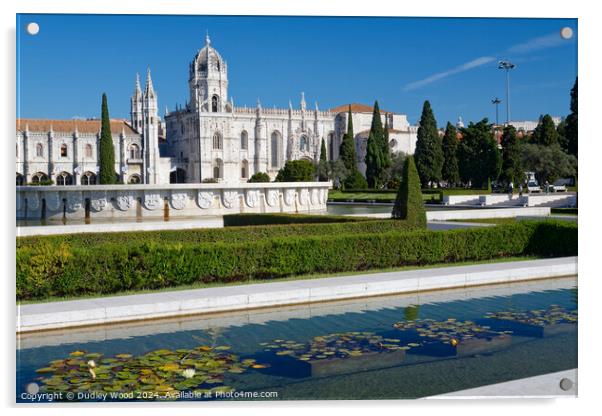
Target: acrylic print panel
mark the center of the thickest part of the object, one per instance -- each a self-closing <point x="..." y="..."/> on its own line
<point x="172" y="167"/>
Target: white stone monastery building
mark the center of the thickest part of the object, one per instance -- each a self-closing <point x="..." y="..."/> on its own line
<point x="208" y="138"/>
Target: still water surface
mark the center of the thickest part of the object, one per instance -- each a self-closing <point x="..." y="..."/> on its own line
<point x="361" y="349"/>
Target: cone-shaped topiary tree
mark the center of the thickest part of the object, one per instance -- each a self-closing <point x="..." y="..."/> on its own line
<point x="106" y="150"/>
<point x="408" y="204"/>
<point x="450" y="171"/>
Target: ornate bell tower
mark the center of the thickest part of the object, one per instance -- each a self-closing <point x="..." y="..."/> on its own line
<point x="208" y="80"/>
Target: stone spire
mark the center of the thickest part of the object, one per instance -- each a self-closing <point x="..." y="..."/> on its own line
<point x="207" y="39"/>
<point x="149" y="90"/>
<point x="137" y="89"/>
<point x="303" y="104"/>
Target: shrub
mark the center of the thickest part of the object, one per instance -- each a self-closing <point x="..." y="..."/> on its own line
<point x="408" y="205"/>
<point x="210" y="180"/>
<point x="259" y="177"/>
<point x="114" y="267"/>
<point x="297" y="171"/>
<point x="231" y="234"/>
<point x="355" y="181"/>
<point x="265" y="219"/>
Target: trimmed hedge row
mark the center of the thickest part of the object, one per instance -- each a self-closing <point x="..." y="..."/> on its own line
<point x="212" y="235"/>
<point x="61" y="270"/>
<point x="233" y="220"/>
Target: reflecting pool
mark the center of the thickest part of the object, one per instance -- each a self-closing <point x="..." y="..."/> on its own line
<point x="394" y="347"/>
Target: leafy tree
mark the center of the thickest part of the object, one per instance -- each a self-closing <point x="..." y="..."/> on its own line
<point x="259" y="177"/>
<point x="545" y="133"/>
<point x="512" y="168"/>
<point x="392" y="175"/>
<point x="562" y="140"/>
<point x="408" y="204"/>
<point x="337" y="172"/>
<point x="429" y="153"/>
<point x="296" y="171"/>
<point x="387" y="158"/>
<point x="548" y="162"/>
<point x="571" y="130"/>
<point x="106" y="150"/>
<point x="478" y="154"/>
<point x="347" y="151"/>
<point x="450" y="171"/>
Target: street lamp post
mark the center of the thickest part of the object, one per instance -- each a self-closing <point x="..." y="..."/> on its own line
<point x="496" y="101"/>
<point x="507" y="65"/>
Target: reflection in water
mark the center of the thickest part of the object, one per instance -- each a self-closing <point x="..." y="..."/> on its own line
<point x="382" y="348"/>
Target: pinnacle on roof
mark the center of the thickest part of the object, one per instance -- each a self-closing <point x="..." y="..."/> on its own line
<point x="149" y="90"/>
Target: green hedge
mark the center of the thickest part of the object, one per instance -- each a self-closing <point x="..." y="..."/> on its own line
<point x="572" y="211"/>
<point x="62" y="270"/>
<point x="233" y="220"/>
<point x="211" y="235"/>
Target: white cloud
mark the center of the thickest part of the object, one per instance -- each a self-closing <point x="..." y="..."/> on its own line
<point x="483" y="60"/>
<point x="541" y="42"/>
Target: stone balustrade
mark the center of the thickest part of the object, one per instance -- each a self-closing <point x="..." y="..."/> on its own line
<point x="173" y="200"/>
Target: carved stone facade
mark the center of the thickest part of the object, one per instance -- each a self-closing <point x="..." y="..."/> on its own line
<point x="208" y="138"/>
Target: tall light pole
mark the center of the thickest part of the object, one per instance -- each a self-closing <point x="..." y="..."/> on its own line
<point x="507" y="65"/>
<point x="496" y="101"/>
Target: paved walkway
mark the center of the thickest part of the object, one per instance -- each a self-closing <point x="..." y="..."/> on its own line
<point x="544" y="386"/>
<point x="105" y="310"/>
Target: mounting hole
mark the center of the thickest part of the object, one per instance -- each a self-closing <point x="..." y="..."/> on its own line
<point x="566" y="32"/>
<point x="33" y="28"/>
<point x="566" y="384"/>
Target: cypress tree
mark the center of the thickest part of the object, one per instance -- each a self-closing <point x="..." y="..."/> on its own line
<point x="323" y="152"/>
<point x="347" y="151"/>
<point x="322" y="168"/>
<point x="106" y="149"/>
<point x="450" y="171"/>
<point x="512" y="170"/>
<point x="408" y="204"/>
<point x="545" y="133"/>
<point x="373" y="161"/>
<point x="429" y="153"/>
<point x="571" y="130"/>
<point x="386" y="148"/>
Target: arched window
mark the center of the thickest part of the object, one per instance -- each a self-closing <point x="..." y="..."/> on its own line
<point x="393" y="144"/>
<point x="134" y="151"/>
<point x="214" y="102"/>
<point x="20" y="180"/>
<point x="40" y="150"/>
<point x="218" y="169"/>
<point x="88" y="178"/>
<point x="39" y="177"/>
<point x="64" y="178"/>
<point x="134" y="179"/>
<point x="275" y="146"/>
<point x="304" y="144"/>
<point x="63" y="150"/>
<point x="244" y="169"/>
<point x="88" y="151"/>
<point x="244" y="140"/>
<point x="217" y="141"/>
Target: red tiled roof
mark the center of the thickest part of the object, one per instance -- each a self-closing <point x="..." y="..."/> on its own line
<point x="356" y="108"/>
<point x="69" y="126"/>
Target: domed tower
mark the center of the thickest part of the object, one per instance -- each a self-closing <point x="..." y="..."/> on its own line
<point x="208" y="80"/>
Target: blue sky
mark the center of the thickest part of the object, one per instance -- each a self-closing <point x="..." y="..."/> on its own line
<point x="64" y="69"/>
